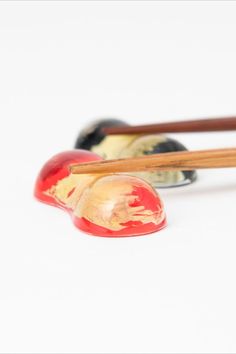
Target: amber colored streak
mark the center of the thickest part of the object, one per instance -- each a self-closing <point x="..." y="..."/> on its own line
<point x="140" y="229"/>
<point x="114" y="201"/>
<point x="56" y="169"/>
<point x="69" y="190"/>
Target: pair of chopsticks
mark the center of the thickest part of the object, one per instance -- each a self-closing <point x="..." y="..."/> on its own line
<point x="184" y="160"/>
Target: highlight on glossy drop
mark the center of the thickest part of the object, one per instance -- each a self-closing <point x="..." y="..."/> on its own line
<point x="93" y="138"/>
<point x="103" y="205"/>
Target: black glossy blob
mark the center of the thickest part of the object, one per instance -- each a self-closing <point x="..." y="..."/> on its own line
<point x="93" y="135"/>
<point x="171" y="145"/>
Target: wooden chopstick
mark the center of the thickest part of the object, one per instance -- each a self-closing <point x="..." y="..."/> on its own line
<point x="184" y="160"/>
<point x="199" y="125"/>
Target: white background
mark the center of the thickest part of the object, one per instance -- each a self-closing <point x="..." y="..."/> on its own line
<point x="62" y="64"/>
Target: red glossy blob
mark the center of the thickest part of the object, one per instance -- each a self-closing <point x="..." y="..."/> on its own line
<point x="119" y="205"/>
<point x="56" y="169"/>
<point x="112" y="206"/>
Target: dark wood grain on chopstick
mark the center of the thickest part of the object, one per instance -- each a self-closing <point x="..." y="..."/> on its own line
<point x="199" y="125"/>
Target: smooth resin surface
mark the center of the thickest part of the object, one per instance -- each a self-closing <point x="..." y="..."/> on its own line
<point x="157" y="144"/>
<point x="113" y="205"/>
<point x="55" y="183"/>
<point x="119" y="146"/>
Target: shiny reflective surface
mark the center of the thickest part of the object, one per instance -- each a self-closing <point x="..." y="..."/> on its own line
<point x="93" y="135"/>
<point x="120" y="205"/>
<point x="112" y="206"/>
<point x="54" y="184"/>
<point x="121" y="146"/>
<point x="156" y="144"/>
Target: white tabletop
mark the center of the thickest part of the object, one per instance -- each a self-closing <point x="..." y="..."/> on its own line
<point x="63" y="64"/>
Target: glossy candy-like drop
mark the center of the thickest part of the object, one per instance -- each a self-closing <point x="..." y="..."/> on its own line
<point x="112" y="206"/>
<point x="122" y="146"/>
<point x="119" y="205"/>
<point x="93" y="135"/>
<point x="55" y="184"/>
<point x="156" y="144"/>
